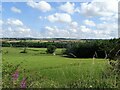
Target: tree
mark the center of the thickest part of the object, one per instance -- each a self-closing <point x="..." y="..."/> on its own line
<point x="25" y="47"/>
<point x="51" y="49"/>
<point x="81" y="49"/>
<point x="106" y="46"/>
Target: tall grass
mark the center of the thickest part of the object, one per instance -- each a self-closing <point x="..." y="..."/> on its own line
<point x="48" y="71"/>
<point x="73" y="77"/>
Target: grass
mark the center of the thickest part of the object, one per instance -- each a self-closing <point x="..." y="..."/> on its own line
<point x="65" y="71"/>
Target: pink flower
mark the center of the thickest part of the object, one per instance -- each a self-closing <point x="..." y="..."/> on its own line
<point x="23" y="83"/>
<point x="15" y="75"/>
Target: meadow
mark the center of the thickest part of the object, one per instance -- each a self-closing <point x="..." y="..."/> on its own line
<point x="60" y="70"/>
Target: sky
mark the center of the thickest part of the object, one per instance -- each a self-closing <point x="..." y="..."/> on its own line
<point x="81" y="20"/>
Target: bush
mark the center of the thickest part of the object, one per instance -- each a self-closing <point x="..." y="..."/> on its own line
<point x="114" y="58"/>
<point x="51" y="49"/>
<point x="24" y="50"/>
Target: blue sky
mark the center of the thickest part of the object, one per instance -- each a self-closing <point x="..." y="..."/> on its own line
<point x="60" y="19"/>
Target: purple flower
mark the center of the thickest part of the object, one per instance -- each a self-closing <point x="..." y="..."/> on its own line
<point x="23" y="83"/>
<point x="15" y="75"/>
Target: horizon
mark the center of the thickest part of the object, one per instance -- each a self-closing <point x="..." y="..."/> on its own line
<point x="87" y="20"/>
<point x="54" y="38"/>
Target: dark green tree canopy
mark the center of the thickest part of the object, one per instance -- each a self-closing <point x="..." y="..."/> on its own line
<point x="51" y="49"/>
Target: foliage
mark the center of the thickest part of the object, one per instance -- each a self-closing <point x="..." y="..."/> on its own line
<point x="34" y="44"/>
<point x="16" y="77"/>
<point x="13" y="76"/>
<point x="24" y="50"/>
<point x="114" y="58"/>
<point x="81" y="50"/>
<point x="48" y="71"/>
<point x="89" y="48"/>
<point x="51" y="49"/>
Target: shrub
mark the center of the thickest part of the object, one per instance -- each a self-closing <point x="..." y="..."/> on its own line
<point x="114" y="58"/>
<point x="24" y="50"/>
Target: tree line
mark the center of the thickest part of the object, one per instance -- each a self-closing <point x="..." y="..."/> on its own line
<point x="87" y="49"/>
<point x="34" y="44"/>
<point x="90" y="49"/>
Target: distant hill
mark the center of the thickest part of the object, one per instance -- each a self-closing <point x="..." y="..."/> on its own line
<point x="29" y="38"/>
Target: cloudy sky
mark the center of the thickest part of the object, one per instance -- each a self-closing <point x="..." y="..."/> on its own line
<point x="42" y="19"/>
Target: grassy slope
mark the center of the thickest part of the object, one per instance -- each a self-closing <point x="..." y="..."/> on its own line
<point x="60" y="69"/>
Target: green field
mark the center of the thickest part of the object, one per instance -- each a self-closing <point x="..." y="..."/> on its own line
<point x="62" y="70"/>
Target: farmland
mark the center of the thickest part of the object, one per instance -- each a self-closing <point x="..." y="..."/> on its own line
<point x="63" y="71"/>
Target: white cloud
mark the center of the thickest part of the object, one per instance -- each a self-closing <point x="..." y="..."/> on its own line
<point x="40" y="17"/>
<point x="89" y="23"/>
<point x="113" y="18"/>
<point x="85" y="29"/>
<point x="42" y="5"/>
<point x="74" y="24"/>
<point x="67" y="7"/>
<point x="1" y="22"/>
<point x="95" y="8"/>
<point x="15" y="22"/>
<point x="73" y="30"/>
<point x="101" y="32"/>
<point x="108" y="27"/>
<point x="105" y="26"/>
<point x="16" y="10"/>
<point x="15" y="28"/>
<point x="49" y="28"/>
<point x="55" y="32"/>
<point x="23" y="29"/>
<point x="106" y="11"/>
<point x="60" y="17"/>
